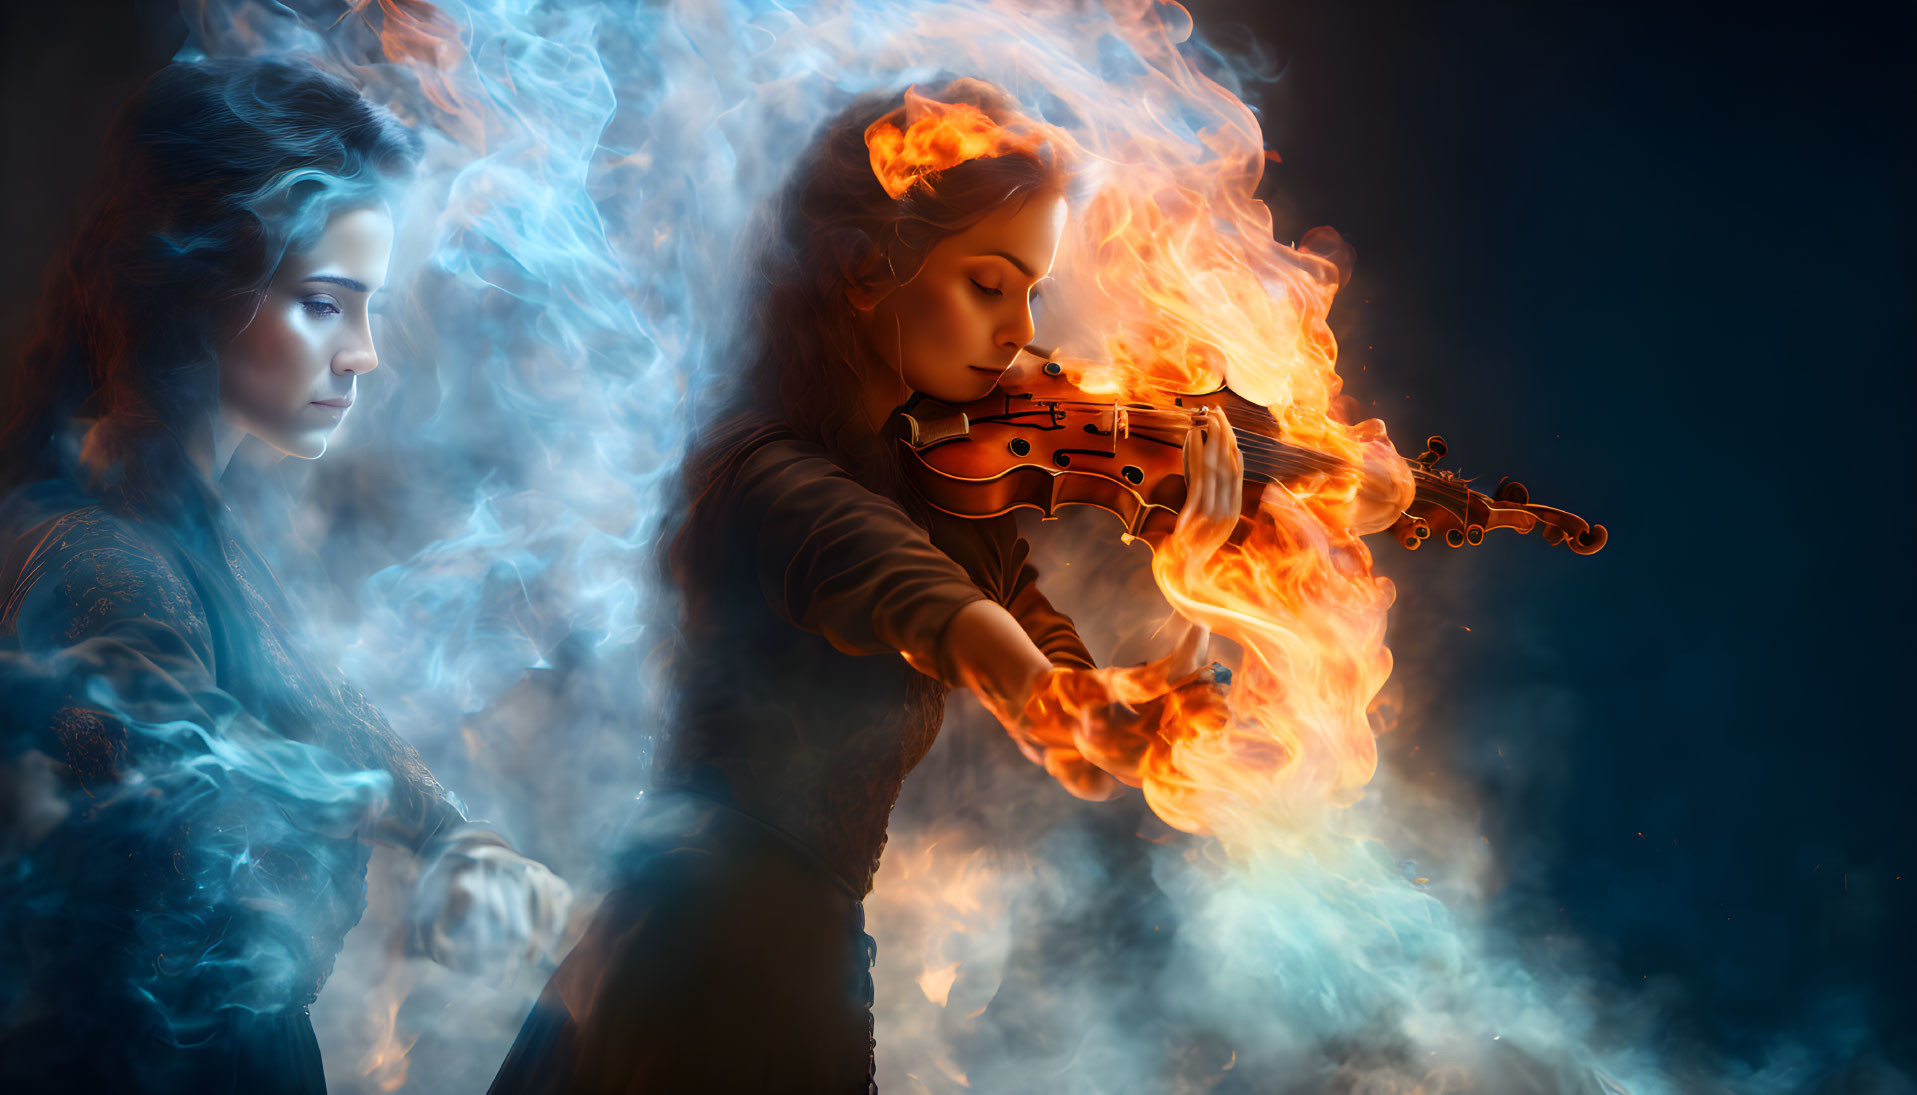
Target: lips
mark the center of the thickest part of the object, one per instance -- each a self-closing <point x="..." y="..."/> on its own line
<point x="339" y="404"/>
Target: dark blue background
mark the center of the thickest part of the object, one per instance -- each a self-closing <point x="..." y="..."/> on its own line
<point x="1654" y="260"/>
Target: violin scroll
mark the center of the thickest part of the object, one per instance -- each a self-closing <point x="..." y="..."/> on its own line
<point x="1445" y="506"/>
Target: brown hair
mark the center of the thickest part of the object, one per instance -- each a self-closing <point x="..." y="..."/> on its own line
<point x="216" y="169"/>
<point x="835" y="234"/>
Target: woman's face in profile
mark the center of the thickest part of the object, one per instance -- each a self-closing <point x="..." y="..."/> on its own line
<point x="953" y="329"/>
<point x="290" y="376"/>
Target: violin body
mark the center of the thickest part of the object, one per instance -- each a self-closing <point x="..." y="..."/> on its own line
<point x="1039" y="442"/>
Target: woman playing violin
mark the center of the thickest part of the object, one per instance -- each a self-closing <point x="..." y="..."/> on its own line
<point x="733" y="955"/>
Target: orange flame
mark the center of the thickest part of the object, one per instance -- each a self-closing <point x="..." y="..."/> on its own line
<point x="1310" y="618"/>
<point x="938" y="136"/>
<point x="1172" y="273"/>
<point x="952" y="899"/>
<point x="385" y="1062"/>
<point x="420" y="37"/>
<point x="1091" y="729"/>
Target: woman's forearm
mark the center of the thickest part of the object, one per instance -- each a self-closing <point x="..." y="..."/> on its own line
<point x="984" y="649"/>
<point x="1090" y="728"/>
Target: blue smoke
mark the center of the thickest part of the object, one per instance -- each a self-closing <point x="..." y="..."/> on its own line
<point x="232" y="835"/>
<point x="566" y="292"/>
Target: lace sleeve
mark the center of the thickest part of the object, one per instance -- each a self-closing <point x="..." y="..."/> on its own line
<point x="115" y="637"/>
<point x="420" y="811"/>
<point x="102" y="615"/>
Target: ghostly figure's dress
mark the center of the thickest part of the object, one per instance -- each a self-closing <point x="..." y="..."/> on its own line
<point x="733" y="959"/>
<point x="175" y="884"/>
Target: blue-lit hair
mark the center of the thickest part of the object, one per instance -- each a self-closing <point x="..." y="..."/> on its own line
<point x="214" y="171"/>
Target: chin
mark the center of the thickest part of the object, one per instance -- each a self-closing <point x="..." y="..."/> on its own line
<point x="301" y="446"/>
<point x="983" y="388"/>
<point x="975" y="387"/>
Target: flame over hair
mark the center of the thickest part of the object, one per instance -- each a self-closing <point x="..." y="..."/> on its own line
<point x="939" y="136"/>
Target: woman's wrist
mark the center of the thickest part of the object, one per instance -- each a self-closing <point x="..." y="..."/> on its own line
<point x="1081" y="719"/>
<point x="1058" y="703"/>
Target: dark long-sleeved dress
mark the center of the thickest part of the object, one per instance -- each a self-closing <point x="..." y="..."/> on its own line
<point x="176" y="882"/>
<point x="733" y="959"/>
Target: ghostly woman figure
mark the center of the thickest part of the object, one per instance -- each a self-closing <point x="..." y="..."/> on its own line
<point x="733" y="957"/>
<point x="190" y="797"/>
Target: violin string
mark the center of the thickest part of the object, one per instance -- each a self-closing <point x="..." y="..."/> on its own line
<point x="1309" y="459"/>
<point x="1277" y="458"/>
<point x="1185" y="416"/>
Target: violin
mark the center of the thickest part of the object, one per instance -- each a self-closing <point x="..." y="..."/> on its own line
<point x="1038" y="441"/>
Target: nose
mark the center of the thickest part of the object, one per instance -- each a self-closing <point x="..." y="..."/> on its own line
<point x="357" y="358"/>
<point x="355" y="362"/>
<point x="1017" y="331"/>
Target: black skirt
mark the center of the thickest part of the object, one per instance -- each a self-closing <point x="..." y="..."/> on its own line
<point x="244" y="1054"/>
<point x="731" y="960"/>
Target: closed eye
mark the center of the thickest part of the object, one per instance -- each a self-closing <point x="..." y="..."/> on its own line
<point x="983" y="289"/>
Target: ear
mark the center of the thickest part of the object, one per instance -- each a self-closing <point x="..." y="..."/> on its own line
<point x="861" y="269"/>
<point x="864" y="296"/>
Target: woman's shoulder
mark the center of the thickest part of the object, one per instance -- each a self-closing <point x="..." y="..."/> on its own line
<point x="54" y="522"/>
<point x="68" y="555"/>
<point x="766" y="459"/>
<point x="763" y="443"/>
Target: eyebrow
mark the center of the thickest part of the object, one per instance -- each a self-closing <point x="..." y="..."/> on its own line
<point x="354" y="284"/>
<point x="1013" y="259"/>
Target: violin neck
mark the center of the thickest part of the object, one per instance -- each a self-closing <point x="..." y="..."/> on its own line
<point x="1269" y="460"/>
<point x="1432" y="488"/>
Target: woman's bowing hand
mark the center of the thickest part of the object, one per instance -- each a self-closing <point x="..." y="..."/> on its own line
<point x="482" y="907"/>
<point x="1093" y="729"/>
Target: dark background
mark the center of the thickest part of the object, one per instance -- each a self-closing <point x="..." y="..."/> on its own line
<point x="1654" y="260"/>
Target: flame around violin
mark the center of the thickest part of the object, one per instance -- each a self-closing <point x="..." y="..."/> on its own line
<point x="1039" y="441"/>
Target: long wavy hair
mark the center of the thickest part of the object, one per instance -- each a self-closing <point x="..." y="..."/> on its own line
<point x="214" y="172"/>
<point x="832" y="240"/>
<point x="833" y="237"/>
